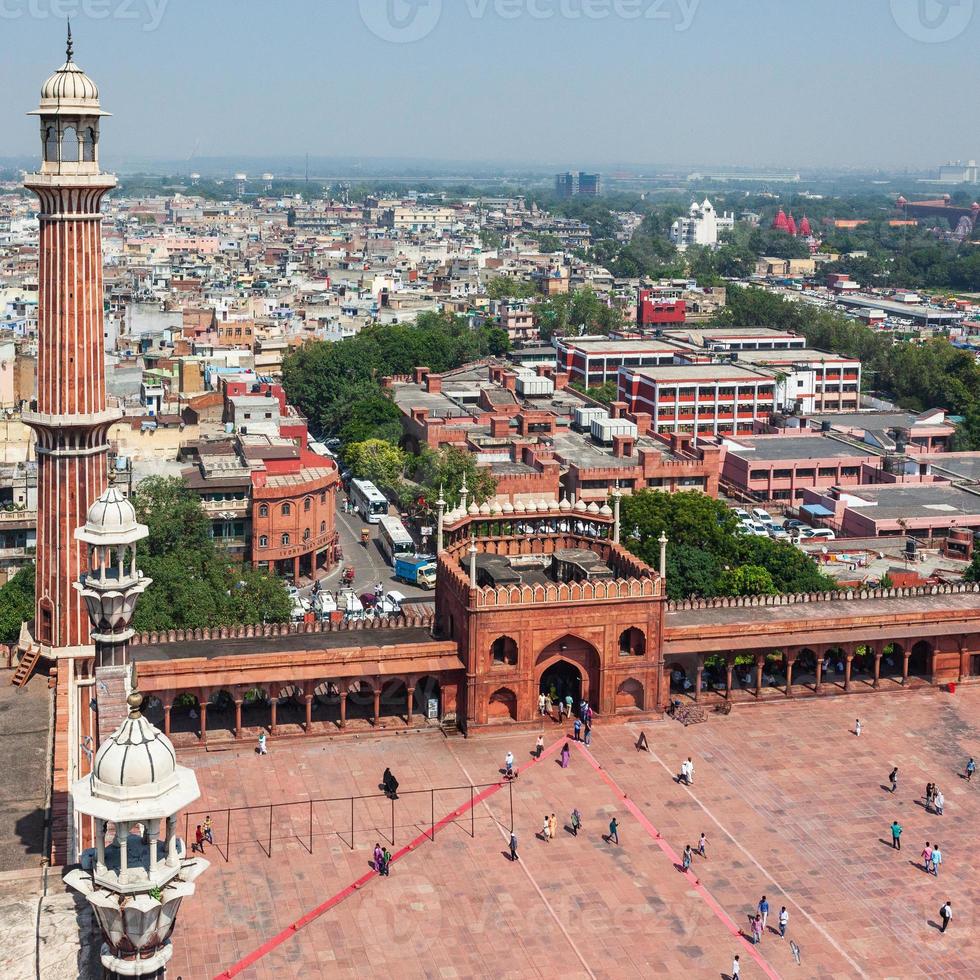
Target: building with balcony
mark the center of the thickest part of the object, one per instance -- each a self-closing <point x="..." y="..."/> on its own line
<point x="594" y="361"/>
<point x="811" y="380"/>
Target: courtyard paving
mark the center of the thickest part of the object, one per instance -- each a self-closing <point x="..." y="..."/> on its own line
<point x="793" y="804"/>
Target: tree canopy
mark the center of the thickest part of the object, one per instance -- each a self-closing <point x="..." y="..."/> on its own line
<point x="706" y="557"/>
<point x="376" y="460"/>
<point x="195" y="583"/>
<point x="16" y="603"/>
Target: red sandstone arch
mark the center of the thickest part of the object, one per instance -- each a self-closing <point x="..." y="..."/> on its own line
<point x="629" y="696"/>
<point x="580" y="654"/>
<point x="632" y="643"/>
<point x="502" y="705"/>
<point x="503" y="651"/>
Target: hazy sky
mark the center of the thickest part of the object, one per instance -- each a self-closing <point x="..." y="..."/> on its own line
<point x="795" y="83"/>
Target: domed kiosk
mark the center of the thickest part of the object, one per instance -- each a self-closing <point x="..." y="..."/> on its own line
<point x="135" y="884"/>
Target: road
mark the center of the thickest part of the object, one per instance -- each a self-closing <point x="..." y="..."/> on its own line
<point x="369" y="564"/>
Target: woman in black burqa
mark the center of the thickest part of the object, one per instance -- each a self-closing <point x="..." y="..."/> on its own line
<point x="390" y="785"/>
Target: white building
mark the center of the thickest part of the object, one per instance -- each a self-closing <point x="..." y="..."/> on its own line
<point x="701" y="226"/>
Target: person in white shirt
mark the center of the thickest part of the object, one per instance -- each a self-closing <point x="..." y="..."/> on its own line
<point x="736" y="969"/>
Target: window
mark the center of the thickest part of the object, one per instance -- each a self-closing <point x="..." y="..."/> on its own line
<point x="88" y="147"/>
<point x="285" y="540"/>
<point x="286" y="510"/>
<point x="69" y="146"/>
<point x="308" y="503"/>
<point x="323" y="527"/>
<point x="264" y="510"/>
<point x="51" y="145"/>
<point x="307" y="534"/>
<point x="504" y="651"/>
<point x="323" y="496"/>
<point x="263" y="542"/>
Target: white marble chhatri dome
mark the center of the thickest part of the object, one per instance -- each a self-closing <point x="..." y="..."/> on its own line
<point x="111" y="520"/>
<point x="136" y="762"/>
<point x="69" y="91"/>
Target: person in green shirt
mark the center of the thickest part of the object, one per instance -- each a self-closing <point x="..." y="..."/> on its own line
<point x="896" y="835"/>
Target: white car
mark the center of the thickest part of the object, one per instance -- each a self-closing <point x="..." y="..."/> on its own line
<point x="822" y="533"/>
<point x="742" y="515"/>
<point x="753" y="527"/>
<point x="762" y="516"/>
<point x="390" y="605"/>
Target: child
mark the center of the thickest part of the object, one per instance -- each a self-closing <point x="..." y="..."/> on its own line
<point x="702" y="844"/>
<point x="208" y="827"/>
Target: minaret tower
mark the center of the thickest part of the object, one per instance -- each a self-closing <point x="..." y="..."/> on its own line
<point x="70" y="417"/>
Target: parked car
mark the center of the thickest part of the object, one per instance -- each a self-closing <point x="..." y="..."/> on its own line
<point x="792" y="524"/>
<point x="778" y="534"/>
<point x="823" y="533"/>
<point x="742" y="515"/>
<point x="756" y="528"/>
<point x="762" y="516"/>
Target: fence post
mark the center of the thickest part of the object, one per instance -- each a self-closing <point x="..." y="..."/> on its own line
<point x="392" y="821"/>
<point x="311" y="826"/>
<point x="472" y="815"/>
<point x="352" y="823"/>
<point x="228" y="836"/>
<point x="432" y="803"/>
<point x="510" y="787"/>
<point x="187" y="817"/>
<point x="270" y="830"/>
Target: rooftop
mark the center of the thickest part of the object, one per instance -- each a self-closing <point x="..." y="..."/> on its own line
<point x="793" y="447"/>
<point x="693" y="373"/>
<point x="896" y="501"/>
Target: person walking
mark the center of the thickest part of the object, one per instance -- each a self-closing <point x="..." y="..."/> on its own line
<point x="198" y="840"/>
<point x="513" y="846"/>
<point x="764" y="912"/>
<point x="930" y="792"/>
<point x="896" y="835"/>
<point x="509" y="766"/>
<point x="552" y="826"/>
<point x="857" y="726"/>
<point x="546" y="829"/>
<point x="783" y="922"/>
<point x="971" y="768"/>
<point x="209" y="830"/>
<point x="736" y="969"/>
<point x="566" y="754"/>
<point x="757" y="929"/>
<point x="576" y="822"/>
<point x="937" y="859"/>
<point x="539" y="747"/>
<point x="262" y="750"/>
<point x="542" y="703"/>
<point x="613" y="831"/>
<point x="939" y="801"/>
<point x="688" y="855"/>
<point x="385" y="862"/>
<point x="379" y="857"/>
<point x="946" y="913"/>
<point x="893" y="778"/>
<point x="577" y="729"/>
<point x="588" y="732"/>
<point x="569" y="701"/>
<point x="702" y="846"/>
<point x="926" y="856"/>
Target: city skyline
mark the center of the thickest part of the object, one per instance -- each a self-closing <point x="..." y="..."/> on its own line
<point x="744" y="84"/>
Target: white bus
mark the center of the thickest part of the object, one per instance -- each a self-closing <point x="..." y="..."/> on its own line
<point x="393" y="539"/>
<point x="368" y="501"/>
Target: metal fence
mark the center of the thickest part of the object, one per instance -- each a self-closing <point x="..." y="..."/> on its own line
<point x="377" y="816"/>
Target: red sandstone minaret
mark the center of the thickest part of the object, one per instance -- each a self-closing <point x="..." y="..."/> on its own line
<point x="70" y="417"/>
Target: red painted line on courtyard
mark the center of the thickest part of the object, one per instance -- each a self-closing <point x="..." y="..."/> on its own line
<point x="275" y="941"/>
<point x="652" y="831"/>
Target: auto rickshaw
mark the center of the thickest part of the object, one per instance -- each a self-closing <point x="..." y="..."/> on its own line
<point x="348" y="576"/>
<point x="365" y="536"/>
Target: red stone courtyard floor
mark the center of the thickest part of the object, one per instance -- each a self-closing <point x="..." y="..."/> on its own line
<point x="792" y="803"/>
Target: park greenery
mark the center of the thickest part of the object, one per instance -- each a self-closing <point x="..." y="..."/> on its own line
<point x="706" y="556"/>
<point x="16" y="604"/>
<point x="338" y="385"/>
<point x="918" y="376"/>
<point x="195" y="582"/>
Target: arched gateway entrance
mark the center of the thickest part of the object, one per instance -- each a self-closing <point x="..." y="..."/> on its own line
<point x="569" y="666"/>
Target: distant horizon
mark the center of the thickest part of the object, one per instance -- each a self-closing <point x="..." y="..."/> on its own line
<point x="558" y="84"/>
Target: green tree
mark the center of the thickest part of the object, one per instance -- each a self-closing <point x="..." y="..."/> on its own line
<point x="376" y="460"/>
<point x="445" y="468"/>
<point x="195" y="583"/>
<point x="510" y="287"/>
<point x="746" y="580"/>
<point x="16" y="604"/>
<point x="372" y="416"/>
